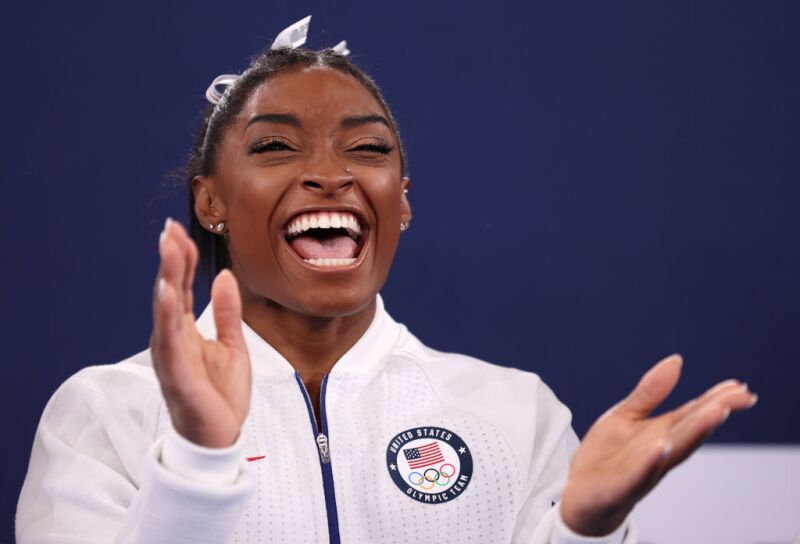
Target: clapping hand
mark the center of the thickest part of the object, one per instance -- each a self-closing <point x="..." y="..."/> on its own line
<point x="626" y="453"/>
<point x="205" y="383"/>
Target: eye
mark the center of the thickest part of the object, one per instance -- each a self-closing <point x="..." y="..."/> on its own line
<point x="374" y="147"/>
<point x="270" y="144"/>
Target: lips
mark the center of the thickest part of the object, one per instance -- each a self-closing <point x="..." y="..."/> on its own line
<point x="326" y="238"/>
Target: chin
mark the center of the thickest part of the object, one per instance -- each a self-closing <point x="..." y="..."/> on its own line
<point x="334" y="301"/>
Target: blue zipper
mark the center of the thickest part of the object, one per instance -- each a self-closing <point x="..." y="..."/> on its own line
<point x="321" y="438"/>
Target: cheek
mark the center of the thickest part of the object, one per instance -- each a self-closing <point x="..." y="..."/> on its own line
<point x="386" y="200"/>
<point x="250" y="209"/>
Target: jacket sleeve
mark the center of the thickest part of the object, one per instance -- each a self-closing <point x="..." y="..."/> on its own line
<point x="539" y="520"/>
<point x="97" y="475"/>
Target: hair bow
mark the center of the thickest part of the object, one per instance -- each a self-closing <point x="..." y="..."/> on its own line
<point x="291" y="37"/>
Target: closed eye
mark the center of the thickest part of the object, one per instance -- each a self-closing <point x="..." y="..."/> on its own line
<point x="374" y="147"/>
<point x="270" y="144"/>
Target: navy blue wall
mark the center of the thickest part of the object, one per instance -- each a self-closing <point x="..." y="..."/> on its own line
<point x="595" y="186"/>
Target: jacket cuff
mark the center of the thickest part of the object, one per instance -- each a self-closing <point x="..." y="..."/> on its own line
<point x="209" y="466"/>
<point x="564" y="535"/>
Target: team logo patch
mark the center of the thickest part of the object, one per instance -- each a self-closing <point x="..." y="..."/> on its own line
<point x="429" y="464"/>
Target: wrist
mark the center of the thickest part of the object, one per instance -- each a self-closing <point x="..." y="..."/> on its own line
<point x="592" y="521"/>
<point x="563" y="534"/>
<point x="217" y="434"/>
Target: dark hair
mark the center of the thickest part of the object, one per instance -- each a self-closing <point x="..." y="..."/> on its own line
<point x="213" y="249"/>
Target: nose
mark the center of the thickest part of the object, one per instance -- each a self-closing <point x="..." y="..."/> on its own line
<point x="330" y="178"/>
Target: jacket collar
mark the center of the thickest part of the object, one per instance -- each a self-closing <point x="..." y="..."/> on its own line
<point x="364" y="359"/>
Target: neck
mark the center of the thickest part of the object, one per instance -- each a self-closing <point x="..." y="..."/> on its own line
<point x="311" y="344"/>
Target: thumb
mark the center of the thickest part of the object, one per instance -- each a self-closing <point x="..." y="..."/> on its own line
<point x="227" y="305"/>
<point x="654" y="387"/>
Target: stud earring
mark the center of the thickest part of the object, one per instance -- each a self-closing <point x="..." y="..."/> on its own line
<point x="404" y="225"/>
<point x="220" y="226"/>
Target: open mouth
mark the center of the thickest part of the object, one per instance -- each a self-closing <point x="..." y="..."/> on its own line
<point x="326" y="239"/>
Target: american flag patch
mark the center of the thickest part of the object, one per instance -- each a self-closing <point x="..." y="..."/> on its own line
<point x="423" y="456"/>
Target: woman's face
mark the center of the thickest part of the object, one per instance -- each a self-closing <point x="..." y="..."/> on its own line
<point x="308" y="183"/>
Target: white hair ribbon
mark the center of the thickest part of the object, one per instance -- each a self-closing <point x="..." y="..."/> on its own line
<point x="213" y="95"/>
<point x="341" y="48"/>
<point x="291" y="37"/>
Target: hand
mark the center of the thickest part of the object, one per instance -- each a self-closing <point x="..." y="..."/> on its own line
<point x="205" y="383"/>
<point x="625" y="453"/>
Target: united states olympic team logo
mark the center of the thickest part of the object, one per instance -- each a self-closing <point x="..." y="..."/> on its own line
<point x="429" y="464"/>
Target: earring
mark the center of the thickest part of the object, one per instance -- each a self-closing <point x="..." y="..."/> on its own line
<point x="220" y="226"/>
<point x="404" y="225"/>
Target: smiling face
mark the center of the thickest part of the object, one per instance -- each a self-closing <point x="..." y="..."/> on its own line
<point x="308" y="182"/>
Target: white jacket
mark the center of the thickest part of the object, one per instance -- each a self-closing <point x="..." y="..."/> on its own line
<point x="416" y="446"/>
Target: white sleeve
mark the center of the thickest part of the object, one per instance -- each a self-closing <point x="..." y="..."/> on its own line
<point x="539" y="520"/>
<point x="95" y="475"/>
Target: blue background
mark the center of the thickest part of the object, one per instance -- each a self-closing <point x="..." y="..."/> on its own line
<point x="594" y="185"/>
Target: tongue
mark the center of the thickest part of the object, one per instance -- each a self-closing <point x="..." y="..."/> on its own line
<point x="337" y="247"/>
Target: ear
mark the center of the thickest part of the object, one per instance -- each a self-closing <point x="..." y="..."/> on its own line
<point x="405" y="206"/>
<point x="208" y="209"/>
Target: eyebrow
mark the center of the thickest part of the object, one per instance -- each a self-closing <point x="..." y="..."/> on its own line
<point x="293" y="120"/>
<point x="357" y="120"/>
<point x="281" y="118"/>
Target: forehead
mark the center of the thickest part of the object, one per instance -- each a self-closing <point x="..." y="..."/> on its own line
<point x="313" y="93"/>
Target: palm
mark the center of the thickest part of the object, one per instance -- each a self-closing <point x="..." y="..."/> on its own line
<point x="626" y="453"/>
<point x="206" y="383"/>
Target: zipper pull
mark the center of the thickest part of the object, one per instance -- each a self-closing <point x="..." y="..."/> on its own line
<point x="322" y="444"/>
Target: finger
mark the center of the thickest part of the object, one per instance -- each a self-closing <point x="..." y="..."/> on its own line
<point x="162" y="315"/>
<point x="712" y="395"/>
<point x="731" y="397"/>
<point x="190" y="255"/>
<point x="690" y="433"/>
<point x="227" y="305"/>
<point x="173" y="260"/>
<point x="166" y="324"/>
<point x="653" y="388"/>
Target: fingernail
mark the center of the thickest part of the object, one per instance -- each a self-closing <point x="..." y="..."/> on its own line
<point x="753" y="401"/>
<point x="666" y="450"/>
<point x="744" y="386"/>
<point x="167" y="223"/>
<point x="161" y="237"/>
<point x="725" y="414"/>
<point x="161" y="285"/>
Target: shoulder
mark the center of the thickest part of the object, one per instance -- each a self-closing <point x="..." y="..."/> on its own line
<point x="473" y="380"/>
<point x="515" y="400"/>
<point x="135" y="372"/>
<point x="105" y="395"/>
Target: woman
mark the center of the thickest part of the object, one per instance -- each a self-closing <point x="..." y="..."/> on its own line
<point x="299" y="196"/>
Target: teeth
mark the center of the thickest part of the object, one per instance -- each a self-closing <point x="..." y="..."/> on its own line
<point x="330" y="262"/>
<point x="324" y="220"/>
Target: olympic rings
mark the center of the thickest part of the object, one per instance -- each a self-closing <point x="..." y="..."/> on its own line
<point x="431" y="477"/>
